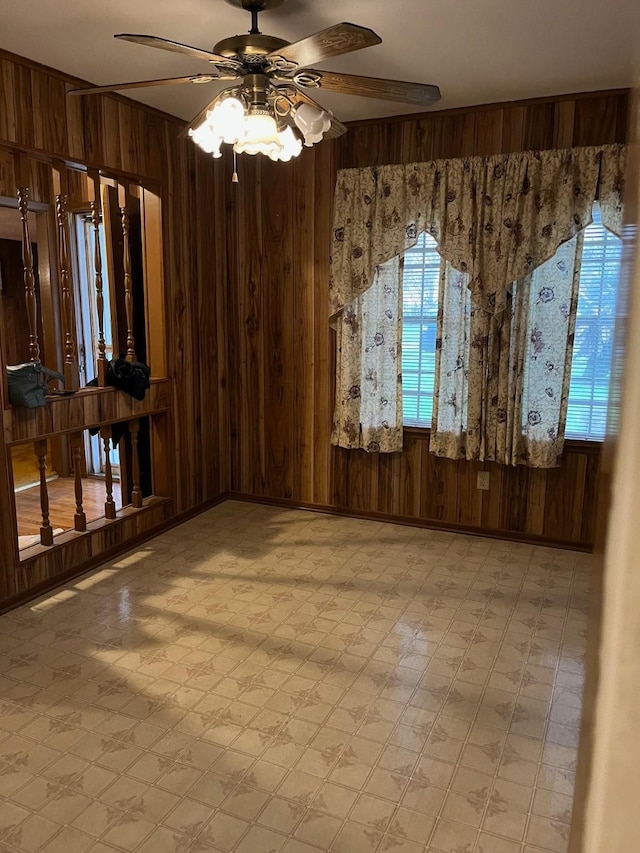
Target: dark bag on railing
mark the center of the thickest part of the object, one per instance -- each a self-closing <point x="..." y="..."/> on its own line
<point x="132" y="377"/>
<point x="28" y="383"/>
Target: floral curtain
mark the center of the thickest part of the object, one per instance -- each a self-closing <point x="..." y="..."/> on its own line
<point x="495" y="219"/>
<point x="368" y="412"/>
<point x="510" y="370"/>
<point x="454" y="350"/>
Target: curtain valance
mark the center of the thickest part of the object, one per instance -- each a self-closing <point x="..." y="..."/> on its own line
<point x="495" y="218"/>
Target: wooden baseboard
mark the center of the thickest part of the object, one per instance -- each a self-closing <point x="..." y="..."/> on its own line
<point x="105" y="556"/>
<point x="408" y="521"/>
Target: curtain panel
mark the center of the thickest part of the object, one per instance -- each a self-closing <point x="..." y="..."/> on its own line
<point x="368" y="411"/>
<point x="502" y="379"/>
<point x="496" y="220"/>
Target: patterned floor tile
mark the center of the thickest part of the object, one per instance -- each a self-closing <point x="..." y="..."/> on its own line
<point x="273" y="681"/>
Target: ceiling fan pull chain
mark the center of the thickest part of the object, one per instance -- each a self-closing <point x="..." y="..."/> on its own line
<point x="234" y="177"/>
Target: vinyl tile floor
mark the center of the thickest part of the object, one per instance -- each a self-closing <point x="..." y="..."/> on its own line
<point x="261" y="680"/>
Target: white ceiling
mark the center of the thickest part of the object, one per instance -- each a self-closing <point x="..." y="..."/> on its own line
<point x="477" y="51"/>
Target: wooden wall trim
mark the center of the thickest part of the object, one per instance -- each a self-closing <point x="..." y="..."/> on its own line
<point x="408" y="521"/>
<point x="494" y="105"/>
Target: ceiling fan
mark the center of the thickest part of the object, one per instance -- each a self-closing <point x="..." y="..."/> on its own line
<point x="269" y="111"/>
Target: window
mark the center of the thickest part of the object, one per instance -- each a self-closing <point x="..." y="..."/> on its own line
<point x="87" y="323"/>
<point x="593" y="346"/>
<point x="420" y="285"/>
<point x="86" y="299"/>
<point x="591" y="365"/>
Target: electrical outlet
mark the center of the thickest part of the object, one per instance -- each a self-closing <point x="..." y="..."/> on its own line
<point x="483" y="480"/>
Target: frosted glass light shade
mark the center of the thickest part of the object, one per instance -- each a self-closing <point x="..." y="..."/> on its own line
<point x="205" y="138"/>
<point x="224" y="123"/>
<point x="291" y="146"/>
<point x="260" y="135"/>
<point x="255" y="131"/>
<point x="227" y="119"/>
<point x="312" y="123"/>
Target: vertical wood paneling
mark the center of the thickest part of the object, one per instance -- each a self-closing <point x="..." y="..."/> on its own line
<point x="279" y="301"/>
<point x="248" y="372"/>
<point x="538" y="129"/>
<point x="556" y="505"/>
<point x="303" y="330"/>
<point x="208" y="348"/>
<point x="564" y="121"/>
<point x="596" y="121"/>
<point x="249" y="348"/>
<point x="515" y="492"/>
<point x="454" y="135"/>
<point x="23" y="103"/>
<point x="409" y="489"/>
<point x="512" y="129"/>
<point x="92" y="123"/>
<point x="417" y="140"/>
<point x="323" y="335"/>
<point x="49" y="112"/>
<point x="8" y="122"/>
<point x="117" y="136"/>
<point x="340" y="481"/>
<point x="489" y="130"/>
<point x="492" y="499"/>
<point x="7" y="173"/>
<point x="75" y="134"/>
<point x="469" y="503"/>
<point x="536" y="501"/>
<point x="111" y="131"/>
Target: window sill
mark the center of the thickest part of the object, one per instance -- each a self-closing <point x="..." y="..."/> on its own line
<point x="581" y="445"/>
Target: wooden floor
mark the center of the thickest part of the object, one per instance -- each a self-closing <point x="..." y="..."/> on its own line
<point x="25" y="465"/>
<point x="62" y="504"/>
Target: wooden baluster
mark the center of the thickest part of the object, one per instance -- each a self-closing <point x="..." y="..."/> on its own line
<point x="126" y="260"/>
<point x="29" y="280"/>
<point x="136" y="491"/>
<point x="71" y="375"/>
<point x="46" y="530"/>
<point x="79" y="518"/>
<point x="96" y="218"/>
<point x="109" y="506"/>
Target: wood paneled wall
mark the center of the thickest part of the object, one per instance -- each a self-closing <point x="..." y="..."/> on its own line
<point x="249" y="349"/>
<point x="281" y="352"/>
<point x="126" y="140"/>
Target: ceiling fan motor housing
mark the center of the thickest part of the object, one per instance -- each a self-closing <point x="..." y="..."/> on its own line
<point x="256" y="5"/>
<point x="255" y="88"/>
<point x="249" y="47"/>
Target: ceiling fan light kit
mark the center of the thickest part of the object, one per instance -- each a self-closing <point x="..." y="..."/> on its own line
<point x="269" y="111"/>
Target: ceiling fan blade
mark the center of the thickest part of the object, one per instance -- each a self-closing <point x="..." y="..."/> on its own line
<point x="184" y="133"/>
<point x="178" y="47"/>
<point x="334" y="41"/>
<point x="143" y="84"/>
<point x="337" y="129"/>
<point x="298" y="96"/>
<point x="421" y="94"/>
